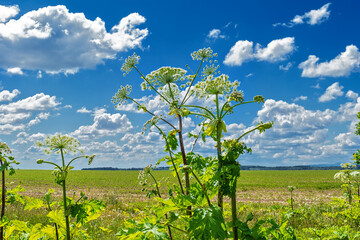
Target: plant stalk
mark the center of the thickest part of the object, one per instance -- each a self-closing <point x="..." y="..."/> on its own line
<point x="67" y="222"/>
<point x="3" y="200"/>
<point x="186" y="174"/>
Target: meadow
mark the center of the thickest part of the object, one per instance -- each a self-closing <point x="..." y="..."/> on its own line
<point x="263" y="193"/>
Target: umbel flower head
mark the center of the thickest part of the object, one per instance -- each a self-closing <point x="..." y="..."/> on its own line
<point x="215" y="86"/>
<point x="166" y="75"/>
<point x="59" y="142"/>
<point x="122" y="95"/>
<point x="203" y="54"/>
<point x="130" y="63"/>
<point x="4" y="148"/>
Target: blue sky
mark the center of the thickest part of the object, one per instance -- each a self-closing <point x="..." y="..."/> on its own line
<point x="60" y="66"/>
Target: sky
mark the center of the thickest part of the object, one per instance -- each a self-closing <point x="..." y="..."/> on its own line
<point x="60" y="66"/>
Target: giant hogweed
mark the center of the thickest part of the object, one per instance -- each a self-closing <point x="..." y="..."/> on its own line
<point x="190" y="204"/>
<point x="63" y="144"/>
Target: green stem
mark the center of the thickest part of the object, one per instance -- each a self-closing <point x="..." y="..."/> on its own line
<point x="74" y="160"/>
<point x="67" y="222"/>
<point x="158" y="191"/>
<point x="171" y="158"/>
<point x="153" y="113"/>
<point x="192" y="81"/>
<point x="183" y="154"/>
<point x="234" y="212"/>
<point x="203" y="108"/>
<point x="222" y="115"/>
<point x="3" y="199"/>
<point x="218" y="148"/>
<point x="203" y="188"/>
<point x="143" y="77"/>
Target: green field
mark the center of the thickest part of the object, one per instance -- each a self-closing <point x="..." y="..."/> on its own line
<point x="263" y="193"/>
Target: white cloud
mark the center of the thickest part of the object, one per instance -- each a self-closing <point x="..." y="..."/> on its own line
<point x="11" y="118"/>
<point x="7" y="129"/>
<point x="276" y="50"/>
<point x="342" y="65"/>
<point x="15" y="71"/>
<point x="317" y="86"/>
<point x="105" y="124"/>
<point x="352" y="95"/>
<point x="38" y="102"/>
<point x="249" y="75"/>
<point x="241" y="52"/>
<point x="5" y="95"/>
<point x="313" y="17"/>
<point x="54" y="40"/>
<point x="332" y="92"/>
<point x="24" y="138"/>
<point x="8" y="12"/>
<point x="286" y="67"/>
<point x="83" y="110"/>
<point x="302" y="98"/>
<point x="38" y="119"/>
<point x="215" y="34"/>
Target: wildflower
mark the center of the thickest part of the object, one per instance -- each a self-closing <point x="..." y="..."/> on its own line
<point x="166" y="75"/>
<point x="130" y="63"/>
<point x="60" y="142"/>
<point x="214" y="86"/>
<point x="203" y="54"/>
<point x="237" y="96"/>
<point x="209" y="70"/>
<point x="291" y="188"/>
<point x="122" y="95"/>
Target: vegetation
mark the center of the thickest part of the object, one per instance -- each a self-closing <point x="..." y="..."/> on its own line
<point x="199" y="197"/>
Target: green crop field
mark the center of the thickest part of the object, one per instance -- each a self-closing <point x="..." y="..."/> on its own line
<point x="264" y="193"/>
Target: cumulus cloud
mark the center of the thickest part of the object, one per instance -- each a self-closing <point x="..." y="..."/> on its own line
<point x="286" y="67"/>
<point x="38" y="119"/>
<point x="215" y="34"/>
<point x="352" y="95"/>
<point x="5" y="95"/>
<point x="313" y="17"/>
<point x="15" y="71"/>
<point x="342" y="65"/>
<point x="8" y="12"/>
<point x="105" y="124"/>
<point x="54" y="40"/>
<point x="276" y="50"/>
<point x="83" y="110"/>
<point x="332" y="92"/>
<point x="38" y="102"/>
<point x="302" y="98"/>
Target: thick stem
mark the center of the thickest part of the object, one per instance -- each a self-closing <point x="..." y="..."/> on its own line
<point x="186" y="174"/>
<point x="67" y="222"/>
<point x="159" y="194"/>
<point x="218" y="148"/>
<point x="233" y="212"/>
<point x="3" y="200"/>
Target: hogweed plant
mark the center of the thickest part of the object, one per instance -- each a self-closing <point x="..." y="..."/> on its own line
<point x="63" y="144"/>
<point x="291" y="189"/>
<point x="190" y="208"/>
<point x="346" y="177"/>
<point x="6" y="162"/>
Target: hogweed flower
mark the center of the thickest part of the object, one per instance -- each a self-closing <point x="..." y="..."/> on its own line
<point x="130" y="63"/>
<point x="203" y="54"/>
<point x="209" y="70"/>
<point x="57" y="142"/>
<point x="215" y="86"/>
<point x="165" y="75"/>
<point x="122" y="95"/>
